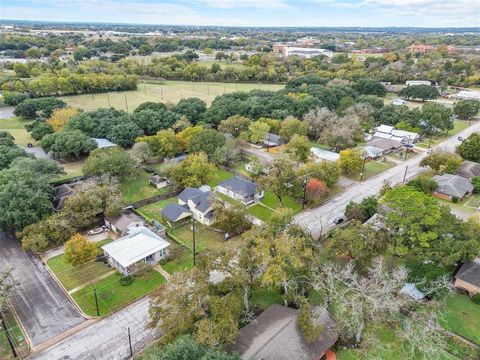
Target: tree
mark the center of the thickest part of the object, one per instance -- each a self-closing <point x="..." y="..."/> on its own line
<point x="10" y="153"/>
<point x="6" y="288"/>
<point x="436" y="117"/>
<point x="227" y="154"/>
<point x="420" y="92"/>
<point x="469" y="149"/>
<point x="163" y="144"/>
<point x="442" y="161"/>
<point x="350" y="161"/>
<point x="51" y="231"/>
<point x="43" y="107"/>
<point x="60" y="117"/>
<point x="6" y="139"/>
<point x="235" y="125"/>
<point x="325" y="171"/>
<point x="476" y="184"/>
<point x="466" y="109"/>
<point x="141" y="152"/>
<point x="257" y="131"/>
<point x="291" y="126"/>
<point x="79" y="250"/>
<point x="187" y="134"/>
<point x="68" y="144"/>
<point x="112" y="161"/>
<point x="423" y="183"/>
<point x="345" y="133"/>
<point x="14" y="98"/>
<point x="125" y="133"/>
<point x="151" y="121"/>
<point x="362" y="211"/>
<point x="150" y="105"/>
<point x="282" y="178"/>
<point x="194" y="171"/>
<point x="38" y="129"/>
<point x="299" y="148"/>
<point x="232" y="219"/>
<point x="315" y="190"/>
<point x="370" y="87"/>
<point x="192" y="108"/>
<point x="206" y="141"/>
<point x="319" y="120"/>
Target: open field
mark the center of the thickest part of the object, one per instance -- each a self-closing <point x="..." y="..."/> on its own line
<point x="112" y="296"/>
<point x="167" y="91"/>
<point x="137" y="188"/>
<point x="16" y="127"/>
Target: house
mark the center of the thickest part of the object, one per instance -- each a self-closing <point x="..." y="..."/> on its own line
<point x="272" y="140"/>
<point x="417" y="82"/>
<point x="139" y="247"/>
<point x="320" y="154"/>
<point x="60" y="194"/>
<point x="399" y="102"/>
<point x="191" y="202"/>
<point x="389" y="132"/>
<point x="419" y="48"/>
<point x="387" y="145"/>
<point x="452" y="187"/>
<point x="412" y="291"/>
<point x="276" y="335"/>
<point x="158" y="181"/>
<point x="306" y="52"/>
<point x="468" y="95"/>
<point x="240" y="189"/>
<point x="371" y="152"/>
<point x="469" y="169"/>
<point x="468" y="277"/>
<point x="103" y="143"/>
<point x="123" y="222"/>
<point x="175" y="159"/>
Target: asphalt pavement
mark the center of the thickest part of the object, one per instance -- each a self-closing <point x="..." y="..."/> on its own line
<point x="43" y="308"/>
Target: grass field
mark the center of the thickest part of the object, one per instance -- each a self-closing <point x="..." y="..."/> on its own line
<point x="373" y="168"/>
<point x="458" y="126"/>
<point x="16" y="336"/>
<point x="219" y="176"/>
<point x="168" y="91"/>
<point x="16" y="127"/>
<point x="263" y="297"/>
<point x="205" y="237"/>
<point x="153" y="211"/>
<point x="181" y="263"/>
<point x="112" y="296"/>
<point x="74" y="276"/>
<point x="137" y="188"/>
<point x="462" y="317"/>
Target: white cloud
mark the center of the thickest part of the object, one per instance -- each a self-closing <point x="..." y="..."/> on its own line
<point x="253" y="4"/>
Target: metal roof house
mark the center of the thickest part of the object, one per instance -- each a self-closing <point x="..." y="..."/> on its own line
<point x="417" y="82"/>
<point x="272" y="140"/>
<point x="411" y="290"/>
<point x="468" y="95"/>
<point x="451" y="187"/>
<point x="387" y="145"/>
<point x="240" y="189"/>
<point x="103" y="143"/>
<point x="320" y="154"/>
<point x="275" y="335"/>
<point x="371" y="152"/>
<point x="389" y="132"/>
<point x="139" y="247"/>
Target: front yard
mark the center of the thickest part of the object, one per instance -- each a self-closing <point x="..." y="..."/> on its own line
<point x="458" y="126"/>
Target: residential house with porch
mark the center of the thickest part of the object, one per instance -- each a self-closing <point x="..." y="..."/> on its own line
<point x="452" y="187"/>
<point x="241" y="190"/>
<point x="138" y="248"/>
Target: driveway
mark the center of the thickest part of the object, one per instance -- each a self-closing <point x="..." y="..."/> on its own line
<point x="43" y="308"/>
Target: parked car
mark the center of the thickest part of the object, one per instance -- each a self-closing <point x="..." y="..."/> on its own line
<point x="96" y="231"/>
<point x="338" y="220"/>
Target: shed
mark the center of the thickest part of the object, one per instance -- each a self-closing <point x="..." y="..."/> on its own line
<point x="411" y="290"/>
<point x="158" y="181"/>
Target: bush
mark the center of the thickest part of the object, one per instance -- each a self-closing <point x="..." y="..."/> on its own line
<point x="476" y="298"/>
<point x="14" y="98"/>
<point x="126" y="280"/>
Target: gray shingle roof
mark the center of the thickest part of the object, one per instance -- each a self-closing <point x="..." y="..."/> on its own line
<point x="173" y="211"/>
<point x="469" y="169"/>
<point x="240" y="186"/>
<point x="275" y="335"/>
<point x="453" y="185"/>
<point x="124" y="220"/>
<point x="469" y="272"/>
<point x="385" y="144"/>
<point x="199" y="198"/>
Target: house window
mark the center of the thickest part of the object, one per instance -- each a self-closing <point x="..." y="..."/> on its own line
<point x="149" y="257"/>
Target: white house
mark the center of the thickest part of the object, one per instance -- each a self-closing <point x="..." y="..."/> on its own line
<point x="320" y="154"/>
<point x="240" y="189"/>
<point x="389" y="132"/>
<point x="468" y="95"/>
<point x="139" y="247"/>
<point x="306" y="52"/>
<point x="123" y="222"/>
<point x="417" y="82"/>
<point x="191" y="202"/>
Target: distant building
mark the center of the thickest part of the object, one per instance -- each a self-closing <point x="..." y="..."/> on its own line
<point x="103" y="143"/>
<point x="139" y="247"/>
<point x="452" y="187"/>
<point x="320" y="154"/>
<point x="419" y="48"/>
<point x="399" y="102"/>
<point x="276" y="335"/>
<point x="304" y="51"/>
<point x="417" y="82"/>
<point x="468" y="95"/>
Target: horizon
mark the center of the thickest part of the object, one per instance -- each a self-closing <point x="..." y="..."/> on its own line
<point x="250" y="13"/>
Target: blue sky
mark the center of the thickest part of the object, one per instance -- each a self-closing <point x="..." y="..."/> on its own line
<point x="419" y="13"/>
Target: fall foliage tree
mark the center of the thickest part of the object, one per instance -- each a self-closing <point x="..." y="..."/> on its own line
<point x="350" y="161"/>
<point x="315" y="190"/>
<point x="60" y="117"/>
<point x="79" y="250"/>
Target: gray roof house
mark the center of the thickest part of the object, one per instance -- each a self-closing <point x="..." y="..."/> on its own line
<point x="240" y="189"/>
<point x="468" y="277"/>
<point x="469" y="169"/>
<point x="452" y="187"/>
<point x="387" y="145"/>
<point x="123" y="222"/>
<point x="275" y="335"/>
<point x="191" y="202"/>
<point x="371" y="152"/>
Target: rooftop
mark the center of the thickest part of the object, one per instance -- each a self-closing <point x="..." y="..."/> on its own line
<point x="469" y="272"/>
<point x="453" y="185"/>
<point x="103" y="143"/>
<point x="469" y="169"/>
<point x="137" y="245"/>
<point x="174" y="212"/>
<point x="239" y="186"/>
<point x="122" y="221"/>
<point x="324" y="154"/>
<point x="200" y="198"/>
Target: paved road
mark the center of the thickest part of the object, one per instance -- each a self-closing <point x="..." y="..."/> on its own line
<point x="6" y="112"/>
<point x="43" y="308"/>
<point x="106" y="339"/>
<point x="320" y="219"/>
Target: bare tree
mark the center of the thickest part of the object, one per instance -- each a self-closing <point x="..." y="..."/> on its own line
<point x="319" y="120"/>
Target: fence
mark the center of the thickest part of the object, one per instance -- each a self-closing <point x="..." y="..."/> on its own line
<point x="15" y="344"/>
<point x="155" y="198"/>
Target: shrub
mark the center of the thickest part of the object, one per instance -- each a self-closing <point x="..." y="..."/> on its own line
<point x="476" y="298"/>
<point x="126" y="280"/>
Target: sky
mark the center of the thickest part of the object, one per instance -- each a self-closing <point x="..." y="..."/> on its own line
<point x="366" y="13"/>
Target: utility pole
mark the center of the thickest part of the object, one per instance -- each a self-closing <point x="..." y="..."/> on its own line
<point x="126" y="104"/>
<point x="363" y="166"/>
<point x="96" y="300"/>
<point x="161" y="88"/>
<point x="193" y="239"/>
<point x="304" y="191"/>
<point x="405" y="175"/>
<point x="429" y="141"/>
<point x="108" y="98"/>
<point x="130" y="343"/>
<point x="145" y="87"/>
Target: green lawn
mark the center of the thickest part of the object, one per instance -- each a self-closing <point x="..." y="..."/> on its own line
<point x="472" y="202"/>
<point x="112" y="296"/>
<point x="219" y="176"/>
<point x="271" y="200"/>
<point x="16" y="336"/>
<point x="205" y="237"/>
<point x="373" y="168"/>
<point x="181" y="263"/>
<point x="153" y="211"/>
<point x="137" y="188"/>
<point x="263" y="297"/>
<point x="462" y="317"/>
<point x="74" y="276"/>
<point x="260" y="212"/>
<point x="459" y="125"/>
<point x="167" y="91"/>
<point x="16" y="127"/>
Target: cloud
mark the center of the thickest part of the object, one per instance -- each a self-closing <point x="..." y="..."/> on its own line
<point x="252" y="4"/>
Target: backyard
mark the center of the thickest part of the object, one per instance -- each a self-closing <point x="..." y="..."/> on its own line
<point x="153" y="211"/>
<point x="166" y="91"/>
<point x="462" y="316"/>
<point x="16" y="336"/>
<point x="138" y="188"/>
